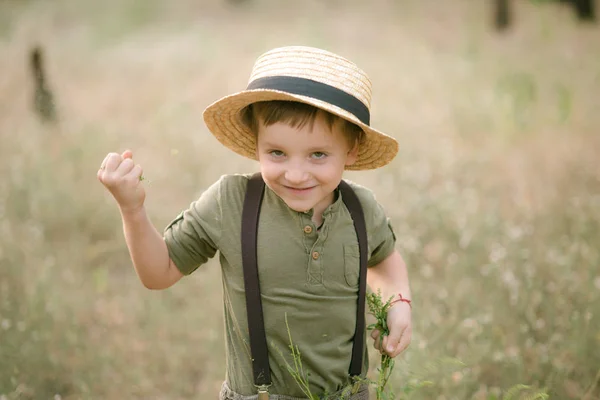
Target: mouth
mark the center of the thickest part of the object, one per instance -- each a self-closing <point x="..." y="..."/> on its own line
<point x="299" y="190"/>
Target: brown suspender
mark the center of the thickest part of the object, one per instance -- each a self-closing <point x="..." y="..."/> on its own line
<point x="256" y="326"/>
<point x="358" y="218"/>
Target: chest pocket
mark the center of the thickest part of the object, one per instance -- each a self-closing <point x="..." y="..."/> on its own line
<point x="351" y="264"/>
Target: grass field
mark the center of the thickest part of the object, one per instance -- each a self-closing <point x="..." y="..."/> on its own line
<point x="494" y="196"/>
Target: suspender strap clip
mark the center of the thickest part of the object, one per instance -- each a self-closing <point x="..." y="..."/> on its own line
<point x="263" y="392"/>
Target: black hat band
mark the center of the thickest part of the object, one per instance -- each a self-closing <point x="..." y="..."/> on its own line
<point x="316" y="90"/>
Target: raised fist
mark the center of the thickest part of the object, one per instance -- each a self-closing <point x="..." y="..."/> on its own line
<point x="122" y="178"/>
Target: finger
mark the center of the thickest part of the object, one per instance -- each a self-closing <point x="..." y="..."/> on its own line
<point x="103" y="163"/>
<point x="113" y="162"/>
<point x="404" y="342"/>
<point x="127" y="154"/>
<point x="377" y="345"/>
<point x="125" y="167"/>
<point x="100" y="173"/>
<point x="377" y="342"/>
<point x="393" y="339"/>
<point x="374" y="334"/>
<point x="135" y="173"/>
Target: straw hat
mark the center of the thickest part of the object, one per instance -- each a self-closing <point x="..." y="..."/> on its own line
<point x="307" y="75"/>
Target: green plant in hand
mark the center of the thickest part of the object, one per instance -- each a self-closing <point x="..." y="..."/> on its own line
<point x="379" y="310"/>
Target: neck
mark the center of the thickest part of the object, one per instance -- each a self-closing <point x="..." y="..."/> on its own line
<point x="319" y="208"/>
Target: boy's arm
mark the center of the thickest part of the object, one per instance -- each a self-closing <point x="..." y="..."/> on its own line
<point x="391" y="277"/>
<point x="148" y="251"/>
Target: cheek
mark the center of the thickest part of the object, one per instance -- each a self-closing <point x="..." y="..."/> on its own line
<point x="330" y="172"/>
<point x="269" y="170"/>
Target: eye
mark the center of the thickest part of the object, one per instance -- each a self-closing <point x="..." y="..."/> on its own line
<point x="276" y="153"/>
<point x="318" y="155"/>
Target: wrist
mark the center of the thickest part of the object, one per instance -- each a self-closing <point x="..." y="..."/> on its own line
<point x="398" y="298"/>
<point x="133" y="213"/>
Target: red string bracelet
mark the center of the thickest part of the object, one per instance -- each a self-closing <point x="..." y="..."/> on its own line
<point x="402" y="299"/>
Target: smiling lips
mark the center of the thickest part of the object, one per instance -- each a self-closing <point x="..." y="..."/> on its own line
<point x="299" y="190"/>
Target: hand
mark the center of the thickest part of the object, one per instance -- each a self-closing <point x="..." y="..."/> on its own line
<point x="122" y="178"/>
<point x="400" y="326"/>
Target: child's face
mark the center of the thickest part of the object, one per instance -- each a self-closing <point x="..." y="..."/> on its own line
<point x="304" y="166"/>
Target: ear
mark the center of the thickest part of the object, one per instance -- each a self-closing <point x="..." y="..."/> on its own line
<point x="352" y="155"/>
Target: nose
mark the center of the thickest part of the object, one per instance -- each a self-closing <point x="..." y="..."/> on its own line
<point x="296" y="175"/>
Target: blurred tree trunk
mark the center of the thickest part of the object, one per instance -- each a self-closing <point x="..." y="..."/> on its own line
<point x="585" y="10"/>
<point x="502" y="14"/>
<point x="43" y="100"/>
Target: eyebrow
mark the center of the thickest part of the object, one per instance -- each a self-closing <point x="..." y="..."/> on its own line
<point x="270" y="145"/>
<point x="321" y="148"/>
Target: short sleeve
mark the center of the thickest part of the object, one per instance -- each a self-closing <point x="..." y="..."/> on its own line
<point x="193" y="236"/>
<point x="380" y="234"/>
<point x="384" y="241"/>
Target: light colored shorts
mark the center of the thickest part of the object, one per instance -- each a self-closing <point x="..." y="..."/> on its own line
<point x="228" y="394"/>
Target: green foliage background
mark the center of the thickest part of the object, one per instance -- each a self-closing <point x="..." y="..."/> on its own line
<point x="495" y="195"/>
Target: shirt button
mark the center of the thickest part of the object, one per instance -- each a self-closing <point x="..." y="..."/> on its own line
<point x="307" y="229"/>
<point x="315" y="255"/>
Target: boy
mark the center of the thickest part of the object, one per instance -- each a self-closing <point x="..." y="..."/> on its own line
<point x="305" y="118"/>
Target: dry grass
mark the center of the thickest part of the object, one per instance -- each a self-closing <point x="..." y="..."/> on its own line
<point x="495" y="195"/>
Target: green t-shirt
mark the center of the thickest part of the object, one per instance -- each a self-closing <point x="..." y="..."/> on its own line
<point x="307" y="273"/>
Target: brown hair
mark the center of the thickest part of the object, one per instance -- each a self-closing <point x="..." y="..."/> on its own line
<point x="297" y="115"/>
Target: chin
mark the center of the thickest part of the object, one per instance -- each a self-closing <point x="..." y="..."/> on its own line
<point x="298" y="207"/>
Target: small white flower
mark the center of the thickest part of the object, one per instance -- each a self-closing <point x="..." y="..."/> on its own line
<point x="512" y="352"/>
<point x="498" y="253"/>
<point x="469" y="323"/>
<point x="515" y="232"/>
<point x="540" y="324"/>
<point x="498" y="356"/>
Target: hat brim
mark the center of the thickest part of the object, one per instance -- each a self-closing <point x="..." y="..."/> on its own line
<point x="223" y="118"/>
